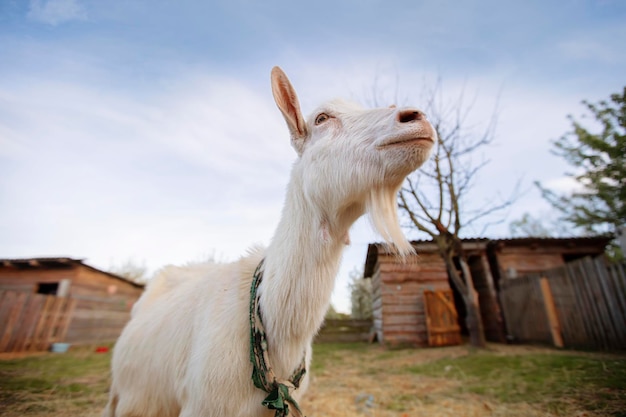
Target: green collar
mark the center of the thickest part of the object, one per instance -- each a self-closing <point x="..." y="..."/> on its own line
<point x="262" y="374"/>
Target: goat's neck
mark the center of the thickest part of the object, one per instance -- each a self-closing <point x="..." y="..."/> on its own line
<point x="300" y="268"/>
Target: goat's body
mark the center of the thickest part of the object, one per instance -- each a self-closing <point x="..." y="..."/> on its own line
<point x="208" y="376"/>
<point x="185" y="351"/>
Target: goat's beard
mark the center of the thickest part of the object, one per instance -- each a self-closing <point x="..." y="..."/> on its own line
<point x="382" y="207"/>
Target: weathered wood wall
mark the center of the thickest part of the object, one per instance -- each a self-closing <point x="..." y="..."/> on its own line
<point x="398" y="297"/>
<point x="102" y="302"/>
<point x="32" y="322"/>
<point x="526" y="256"/>
<point x="587" y="298"/>
<point x="103" y="307"/>
<point x="523" y="261"/>
<point x="398" y="288"/>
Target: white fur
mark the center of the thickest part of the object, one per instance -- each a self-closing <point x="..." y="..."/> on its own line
<point x="185" y="352"/>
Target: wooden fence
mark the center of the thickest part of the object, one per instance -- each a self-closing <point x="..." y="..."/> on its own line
<point x="32" y="322"/>
<point x="342" y="330"/>
<point x="580" y="305"/>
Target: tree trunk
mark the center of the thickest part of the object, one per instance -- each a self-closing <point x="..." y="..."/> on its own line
<point x="474" y="319"/>
<point x="465" y="287"/>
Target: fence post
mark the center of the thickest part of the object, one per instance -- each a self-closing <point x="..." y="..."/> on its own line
<point x="553" y="321"/>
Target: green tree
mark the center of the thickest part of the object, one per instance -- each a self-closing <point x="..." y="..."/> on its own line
<point x="360" y="295"/>
<point x="332" y="314"/>
<point x="598" y="156"/>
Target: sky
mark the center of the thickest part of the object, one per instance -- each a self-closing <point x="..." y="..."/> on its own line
<point x="145" y="130"/>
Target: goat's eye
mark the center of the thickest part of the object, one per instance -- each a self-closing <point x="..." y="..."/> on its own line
<point x="321" y="118"/>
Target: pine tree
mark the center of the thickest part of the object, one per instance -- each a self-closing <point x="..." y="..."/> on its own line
<point x="599" y="160"/>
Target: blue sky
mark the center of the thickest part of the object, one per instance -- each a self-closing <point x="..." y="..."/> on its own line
<point x="146" y="130"/>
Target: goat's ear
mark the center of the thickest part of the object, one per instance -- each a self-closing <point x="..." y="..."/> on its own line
<point x="287" y="101"/>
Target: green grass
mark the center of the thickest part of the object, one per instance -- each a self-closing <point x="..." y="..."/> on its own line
<point x="553" y="380"/>
<point x="41" y="384"/>
<point x="327" y="355"/>
<point x="596" y="383"/>
<point x="76" y="383"/>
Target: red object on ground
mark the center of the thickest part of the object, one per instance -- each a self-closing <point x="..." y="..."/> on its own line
<point x="102" y="349"/>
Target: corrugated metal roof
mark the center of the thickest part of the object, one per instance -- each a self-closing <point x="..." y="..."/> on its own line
<point x="480" y="243"/>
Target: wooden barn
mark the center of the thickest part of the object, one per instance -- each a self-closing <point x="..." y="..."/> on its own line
<point x="46" y="300"/>
<point x="416" y="304"/>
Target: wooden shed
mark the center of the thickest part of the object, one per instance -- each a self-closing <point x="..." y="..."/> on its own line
<point x="512" y="258"/>
<point x="399" y="293"/>
<point x="46" y="300"/>
<point x="416" y="304"/>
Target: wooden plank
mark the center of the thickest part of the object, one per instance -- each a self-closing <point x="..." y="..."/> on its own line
<point x="390" y="319"/>
<point x="580" y="333"/>
<point x="616" y="319"/>
<point x="600" y="321"/>
<point x="572" y="327"/>
<point x="27" y="316"/>
<point x="617" y="282"/>
<point x="588" y="298"/>
<point x="584" y="304"/>
<point x="16" y="302"/>
<point x="597" y="304"/>
<point x="66" y="319"/>
<point x="551" y="313"/>
<point x="7" y="299"/>
<point x="617" y="279"/>
<point x="33" y="321"/>
<point x="523" y="307"/>
<point x="52" y="318"/>
<point x="41" y="322"/>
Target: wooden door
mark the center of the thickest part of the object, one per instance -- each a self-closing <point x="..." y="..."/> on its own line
<point x="441" y="318"/>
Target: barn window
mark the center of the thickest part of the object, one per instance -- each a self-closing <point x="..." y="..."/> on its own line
<point x="49" y="288"/>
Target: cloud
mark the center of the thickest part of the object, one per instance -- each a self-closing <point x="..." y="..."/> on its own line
<point x="563" y="185"/>
<point x="196" y="167"/>
<point x="111" y="146"/>
<point x="55" y="12"/>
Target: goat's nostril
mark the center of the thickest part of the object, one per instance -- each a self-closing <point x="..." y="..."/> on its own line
<point x="407" y="116"/>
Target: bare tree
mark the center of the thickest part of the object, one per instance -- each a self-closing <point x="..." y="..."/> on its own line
<point x="131" y="271"/>
<point x="435" y="199"/>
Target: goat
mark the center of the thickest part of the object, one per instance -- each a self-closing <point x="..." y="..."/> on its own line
<point x="186" y="350"/>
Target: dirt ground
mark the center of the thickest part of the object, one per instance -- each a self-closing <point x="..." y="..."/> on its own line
<point x="370" y="381"/>
<point x="376" y="389"/>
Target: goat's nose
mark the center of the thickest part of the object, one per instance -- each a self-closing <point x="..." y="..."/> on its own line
<point x="410" y="115"/>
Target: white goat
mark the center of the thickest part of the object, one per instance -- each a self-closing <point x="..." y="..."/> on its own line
<point x="185" y="352"/>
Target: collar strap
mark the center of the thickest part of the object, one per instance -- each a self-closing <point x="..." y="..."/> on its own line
<point x="279" y="391"/>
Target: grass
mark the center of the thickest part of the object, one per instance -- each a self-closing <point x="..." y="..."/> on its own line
<point x="552" y="380"/>
<point x="54" y="384"/>
<point x="361" y="380"/>
<point x="503" y="380"/>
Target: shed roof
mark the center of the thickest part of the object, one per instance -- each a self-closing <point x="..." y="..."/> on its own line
<point x="59" y="262"/>
<point x="482" y="243"/>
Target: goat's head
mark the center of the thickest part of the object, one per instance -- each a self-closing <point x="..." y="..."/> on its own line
<point x="353" y="159"/>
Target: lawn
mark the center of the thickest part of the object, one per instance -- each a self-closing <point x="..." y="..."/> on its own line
<point x="367" y="380"/>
